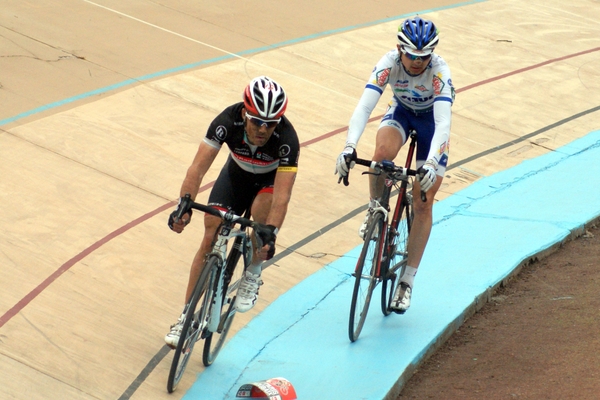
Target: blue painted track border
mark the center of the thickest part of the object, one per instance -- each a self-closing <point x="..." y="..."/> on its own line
<point x="481" y="236"/>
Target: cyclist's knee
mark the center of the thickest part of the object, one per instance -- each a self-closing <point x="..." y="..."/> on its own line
<point x="384" y="153"/>
<point x="387" y="144"/>
<point x="211" y="223"/>
<point x="423" y="208"/>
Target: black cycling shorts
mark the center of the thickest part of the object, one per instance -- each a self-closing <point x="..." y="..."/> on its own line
<point x="235" y="189"/>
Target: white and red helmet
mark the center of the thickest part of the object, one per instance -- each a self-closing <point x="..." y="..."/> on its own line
<point x="265" y="98"/>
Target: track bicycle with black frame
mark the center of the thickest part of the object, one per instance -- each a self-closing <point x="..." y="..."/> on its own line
<point x="384" y="252"/>
<point x="210" y="311"/>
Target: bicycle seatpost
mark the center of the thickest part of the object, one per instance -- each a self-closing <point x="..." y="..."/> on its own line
<point x="413" y="136"/>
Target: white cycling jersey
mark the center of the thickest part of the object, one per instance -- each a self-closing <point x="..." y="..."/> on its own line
<point x="417" y="94"/>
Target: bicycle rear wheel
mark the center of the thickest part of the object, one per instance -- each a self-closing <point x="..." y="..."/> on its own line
<point x="195" y="321"/>
<point x="397" y="253"/>
<point x="233" y="272"/>
<point x="366" y="275"/>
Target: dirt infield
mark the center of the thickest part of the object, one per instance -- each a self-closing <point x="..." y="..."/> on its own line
<point x="537" y="339"/>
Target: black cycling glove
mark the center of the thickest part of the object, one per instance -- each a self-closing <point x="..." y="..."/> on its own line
<point x="183" y="207"/>
<point x="268" y="235"/>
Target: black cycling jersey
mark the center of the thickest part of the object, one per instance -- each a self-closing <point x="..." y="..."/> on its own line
<point x="280" y="152"/>
<point x="249" y="169"/>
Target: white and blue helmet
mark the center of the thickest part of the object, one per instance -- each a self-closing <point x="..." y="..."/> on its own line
<point x="418" y="36"/>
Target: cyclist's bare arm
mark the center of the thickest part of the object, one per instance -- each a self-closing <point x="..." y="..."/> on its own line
<point x="204" y="158"/>
<point x="282" y="193"/>
<point x="275" y="215"/>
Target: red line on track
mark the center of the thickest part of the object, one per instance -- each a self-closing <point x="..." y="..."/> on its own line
<point x="66" y="266"/>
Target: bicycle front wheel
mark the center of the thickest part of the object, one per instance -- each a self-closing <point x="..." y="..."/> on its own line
<point x="366" y="275"/>
<point x="234" y="268"/>
<point x="196" y="318"/>
<point x="397" y="253"/>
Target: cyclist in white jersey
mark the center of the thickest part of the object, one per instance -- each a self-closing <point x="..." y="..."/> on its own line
<point x="422" y="99"/>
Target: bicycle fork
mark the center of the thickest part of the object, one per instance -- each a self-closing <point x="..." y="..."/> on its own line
<point x="382" y="250"/>
<point x="215" y="309"/>
<point x="214" y="316"/>
<point x="404" y="205"/>
<point x="216" y="319"/>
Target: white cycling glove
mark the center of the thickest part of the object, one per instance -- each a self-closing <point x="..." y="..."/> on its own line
<point x="427" y="176"/>
<point x="341" y="167"/>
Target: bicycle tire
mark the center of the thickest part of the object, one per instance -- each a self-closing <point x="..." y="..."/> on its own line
<point x="234" y="268"/>
<point x="397" y="254"/>
<point x="364" y="284"/>
<point x="196" y="317"/>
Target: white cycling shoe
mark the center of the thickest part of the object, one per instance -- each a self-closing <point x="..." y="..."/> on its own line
<point x="247" y="292"/>
<point x="172" y="338"/>
<point x="401" y="299"/>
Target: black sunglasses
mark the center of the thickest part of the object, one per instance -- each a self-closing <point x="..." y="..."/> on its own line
<point x="412" y="57"/>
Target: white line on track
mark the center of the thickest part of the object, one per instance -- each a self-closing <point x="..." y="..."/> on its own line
<point x="212" y="47"/>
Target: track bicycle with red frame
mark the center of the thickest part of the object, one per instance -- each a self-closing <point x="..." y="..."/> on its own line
<point x="384" y="252"/>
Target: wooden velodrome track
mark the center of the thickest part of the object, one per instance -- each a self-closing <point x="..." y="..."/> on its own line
<point x="103" y="104"/>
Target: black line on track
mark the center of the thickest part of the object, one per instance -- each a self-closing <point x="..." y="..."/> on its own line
<point x="145" y="373"/>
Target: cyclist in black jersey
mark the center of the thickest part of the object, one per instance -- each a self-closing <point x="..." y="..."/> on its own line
<point x="259" y="175"/>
